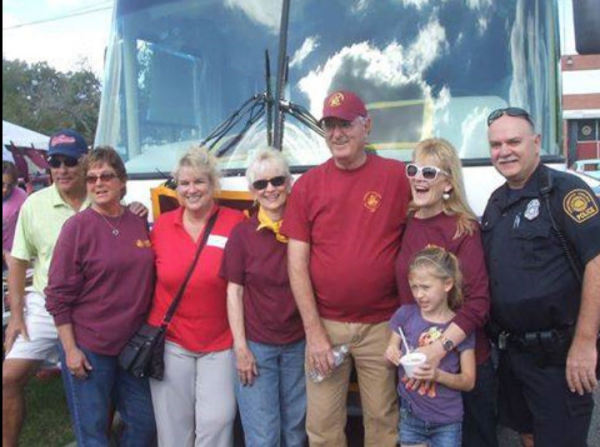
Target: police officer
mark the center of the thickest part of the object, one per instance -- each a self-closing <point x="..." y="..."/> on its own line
<point x="541" y="234"/>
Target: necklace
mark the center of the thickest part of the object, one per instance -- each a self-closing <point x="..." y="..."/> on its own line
<point x="115" y="228"/>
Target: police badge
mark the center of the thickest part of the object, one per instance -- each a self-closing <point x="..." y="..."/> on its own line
<point x="533" y="210"/>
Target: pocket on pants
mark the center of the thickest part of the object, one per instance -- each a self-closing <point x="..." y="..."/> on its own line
<point x="578" y="406"/>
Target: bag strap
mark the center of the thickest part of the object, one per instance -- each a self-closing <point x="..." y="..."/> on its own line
<point x="545" y="192"/>
<point x="171" y="311"/>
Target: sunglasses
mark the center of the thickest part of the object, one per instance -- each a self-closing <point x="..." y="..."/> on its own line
<point x="510" y="111"/>
<point x="329" y="124"/>
<point x="56" y="160"/>
<point x="104" y="177"/>
<point x="427" y="172"/>
<point x="275" y="181"/>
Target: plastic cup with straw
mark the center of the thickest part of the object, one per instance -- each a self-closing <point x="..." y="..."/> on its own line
<point x="410" y="360"/>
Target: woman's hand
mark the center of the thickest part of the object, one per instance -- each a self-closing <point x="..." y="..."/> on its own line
<point x="246" y="365"/>
<point x="77" y="363"/>
<point x="393" y="354"/>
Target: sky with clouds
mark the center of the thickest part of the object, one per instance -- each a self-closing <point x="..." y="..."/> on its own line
<point x="65" y="42"/>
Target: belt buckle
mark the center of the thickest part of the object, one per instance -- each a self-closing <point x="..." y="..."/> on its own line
<point x="502" y="340"/>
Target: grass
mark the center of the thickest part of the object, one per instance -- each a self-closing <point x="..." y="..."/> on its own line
<point x="47" y="422"/>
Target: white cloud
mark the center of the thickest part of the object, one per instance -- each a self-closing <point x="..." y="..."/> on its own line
<point x="307" y="47"/>
<point x="265" y="12"/>
<point x="360" y="6"/>
<point x="416" y="3"/>
<point x="392" y="66"/>
<point x="479" y="4"/>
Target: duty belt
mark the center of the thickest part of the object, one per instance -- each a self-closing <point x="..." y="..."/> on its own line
<point x="547" y="340"/>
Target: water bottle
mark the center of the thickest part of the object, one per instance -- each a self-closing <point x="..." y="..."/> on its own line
<point x="339" y="354"/>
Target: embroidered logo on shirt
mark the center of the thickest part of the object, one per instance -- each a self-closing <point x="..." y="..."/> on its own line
<point x="145" y="243"/>
<point x="372" y="200"/>
<point x="580" y="205"/>
<point x="336" y="100"/>
<point x="214" y="240"/>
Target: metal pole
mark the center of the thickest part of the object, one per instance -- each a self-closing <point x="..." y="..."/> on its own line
<point x="281" y="74"/>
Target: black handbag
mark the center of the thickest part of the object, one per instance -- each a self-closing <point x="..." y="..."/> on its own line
<point x="143" y="355"/>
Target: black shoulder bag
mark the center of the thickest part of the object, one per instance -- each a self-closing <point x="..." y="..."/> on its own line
<point x="143" y="355"/>
<point x="576" y="267"/>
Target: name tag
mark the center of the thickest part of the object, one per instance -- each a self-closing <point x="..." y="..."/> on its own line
<point x="214" y="240"/>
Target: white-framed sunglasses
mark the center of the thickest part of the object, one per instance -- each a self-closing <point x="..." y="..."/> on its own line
<point x="427" y="172"/>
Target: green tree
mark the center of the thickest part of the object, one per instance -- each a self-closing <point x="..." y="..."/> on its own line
<point x="43" y="99"/>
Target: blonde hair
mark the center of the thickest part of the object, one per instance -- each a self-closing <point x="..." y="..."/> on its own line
<point x="446" y="156"/>
<point x="264" y="157"/>
<point x="200" y="160"/>
<point x="444" y="265"/>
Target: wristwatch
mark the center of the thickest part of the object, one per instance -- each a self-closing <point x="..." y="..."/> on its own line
<point x="447" y="344"/>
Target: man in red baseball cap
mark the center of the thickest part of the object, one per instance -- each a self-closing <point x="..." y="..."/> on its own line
<point x="345" y="220"/>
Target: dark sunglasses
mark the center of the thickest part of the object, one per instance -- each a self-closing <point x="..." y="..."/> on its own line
<point x="510" y="111"/>
<point x="56" y="160"/>
<point x="427" y="172"/>
<point x="275" y="181"/>
<point x="104" y="177"/>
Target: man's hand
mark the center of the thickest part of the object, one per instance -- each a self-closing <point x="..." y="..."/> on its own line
<point x="16" y="326"/>
<point x="77" y="363"/>
<point x="246" y="365"/>
<point x="318" y="351"/>
<point x="138" y="209"/>
<point x="581" y="366"/>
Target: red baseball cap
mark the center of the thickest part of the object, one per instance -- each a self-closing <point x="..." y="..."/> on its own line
<point x="344" y="105"/>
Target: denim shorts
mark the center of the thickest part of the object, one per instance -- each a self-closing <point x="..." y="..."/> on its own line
<point x="414" y="430"/>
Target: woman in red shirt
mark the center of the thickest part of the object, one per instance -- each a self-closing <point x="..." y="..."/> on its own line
<point x="267" y="328"/>
<point x="440" y="215"/>
<point x="195" y="402"/>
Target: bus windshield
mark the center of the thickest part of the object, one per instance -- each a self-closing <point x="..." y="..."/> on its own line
<point x="175" y="70"/>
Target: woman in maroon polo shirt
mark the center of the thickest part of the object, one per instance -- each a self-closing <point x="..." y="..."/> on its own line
<point x="439" y="215"/>
<point x="99" y="290"/>
<point x="195" y="402"/>
<point x="267" y="328"/>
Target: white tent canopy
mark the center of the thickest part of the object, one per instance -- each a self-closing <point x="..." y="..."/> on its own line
<point x="22" y="137"/>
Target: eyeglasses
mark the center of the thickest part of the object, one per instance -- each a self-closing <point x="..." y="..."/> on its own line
<point x="56" y="160"/>
<point x="329" y="124"/>
<point x="427" y="172"/>
<point x="510" y="111"/>
<point x="104" y="177"/>
<point x="275" y="181"/>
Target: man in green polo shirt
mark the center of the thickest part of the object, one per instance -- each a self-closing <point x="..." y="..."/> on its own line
<point x="31" y="336"/>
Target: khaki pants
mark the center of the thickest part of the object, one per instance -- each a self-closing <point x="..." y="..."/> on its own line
<point x="326" y="401"/>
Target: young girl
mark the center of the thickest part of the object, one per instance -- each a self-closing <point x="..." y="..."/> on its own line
<point x="432" y="415"/>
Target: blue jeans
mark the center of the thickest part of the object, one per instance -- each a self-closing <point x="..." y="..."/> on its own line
<point x="273" y="409"/>
<point x="414" y="430"/>
<point x="106" y="387"/>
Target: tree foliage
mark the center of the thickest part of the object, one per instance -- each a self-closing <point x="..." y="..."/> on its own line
<point x="43" y="99"/>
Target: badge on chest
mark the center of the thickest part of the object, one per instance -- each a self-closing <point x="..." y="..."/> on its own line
<point x="533" y="209"/>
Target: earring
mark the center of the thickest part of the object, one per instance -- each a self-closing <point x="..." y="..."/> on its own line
<point x="446" y="195"/>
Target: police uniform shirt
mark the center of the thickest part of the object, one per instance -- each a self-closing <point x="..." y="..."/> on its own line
<point x="532" y="284"/>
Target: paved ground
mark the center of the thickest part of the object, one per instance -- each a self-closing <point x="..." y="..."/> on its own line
<point x="507" y="438"/>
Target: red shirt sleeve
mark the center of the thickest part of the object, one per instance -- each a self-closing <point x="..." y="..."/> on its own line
<point x="475" y="310"/>
<point x="296" y="224"/>
<point x="233" y="267"/>
<point x="65" y="275"/>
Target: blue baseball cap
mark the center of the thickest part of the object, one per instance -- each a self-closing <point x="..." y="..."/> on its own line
<point x="67" y="142"/>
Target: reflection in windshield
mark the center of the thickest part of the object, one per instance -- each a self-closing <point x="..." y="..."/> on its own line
<point x="177" y="69"/>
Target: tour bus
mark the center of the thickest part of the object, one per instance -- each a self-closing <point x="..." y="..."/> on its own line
<point x="238" y="75"/>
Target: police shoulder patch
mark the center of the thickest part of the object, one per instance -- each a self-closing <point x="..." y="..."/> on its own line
<point x="580" y="205"/>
